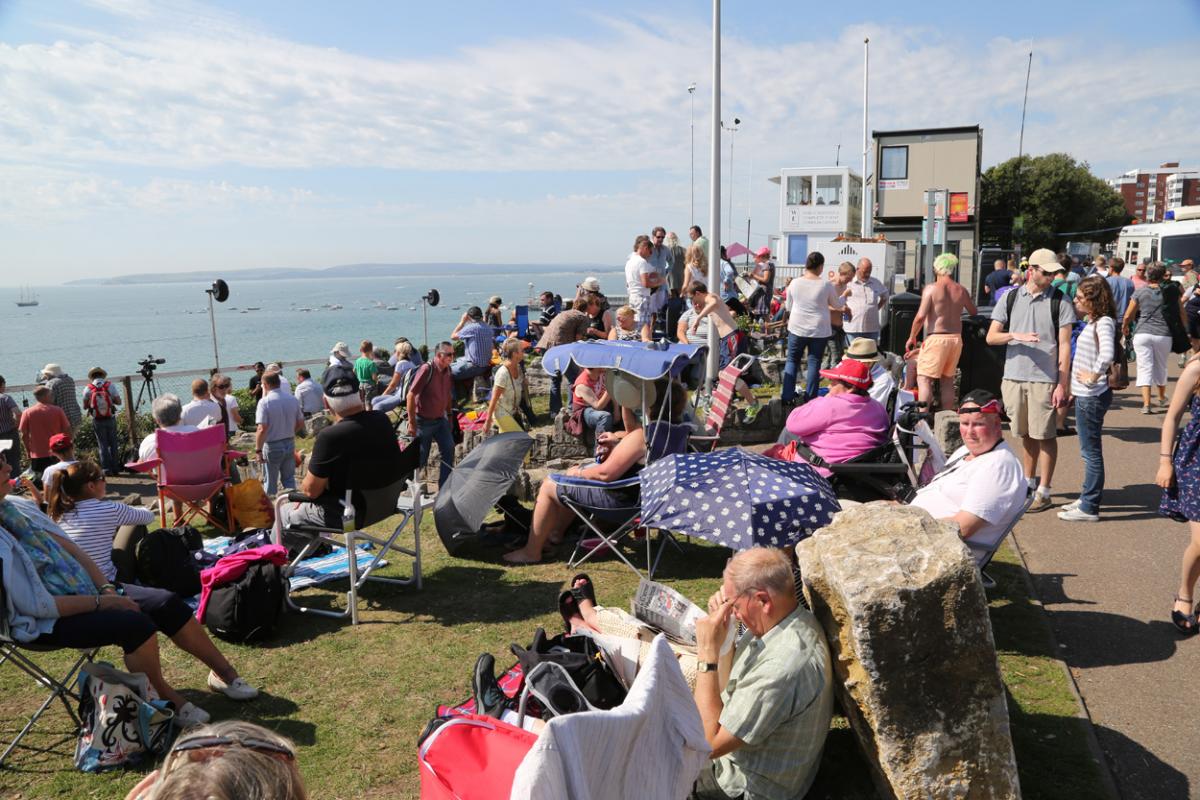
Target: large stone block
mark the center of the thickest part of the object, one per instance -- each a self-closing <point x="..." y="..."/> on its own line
<point x="945" y="429"/>
<point x="907" y="621"/>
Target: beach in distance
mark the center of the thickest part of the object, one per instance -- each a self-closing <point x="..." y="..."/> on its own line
<point x="114" y="326"/>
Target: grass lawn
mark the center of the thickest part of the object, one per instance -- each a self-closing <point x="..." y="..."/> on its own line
<point x="355" y="699"/>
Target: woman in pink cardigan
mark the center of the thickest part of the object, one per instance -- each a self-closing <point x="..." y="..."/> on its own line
<point x="844" y="423"/>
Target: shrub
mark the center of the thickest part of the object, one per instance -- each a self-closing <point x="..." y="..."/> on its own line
<point x="246" y="406"/>
<point x="85" y="437"/>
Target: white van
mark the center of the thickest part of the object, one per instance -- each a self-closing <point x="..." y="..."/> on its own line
<point x="1170" y="241"/>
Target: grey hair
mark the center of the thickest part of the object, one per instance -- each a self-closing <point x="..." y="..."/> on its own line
<point x="166" y="410"/>
<point x="764" y="569"/>
<point x="344" y="405"/>
<point x="238" y="773"/>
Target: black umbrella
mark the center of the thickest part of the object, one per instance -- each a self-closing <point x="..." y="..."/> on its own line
<point x="474" y="486"/>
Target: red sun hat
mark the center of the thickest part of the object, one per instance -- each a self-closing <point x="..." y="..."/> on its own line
<point x="856" y="373"/>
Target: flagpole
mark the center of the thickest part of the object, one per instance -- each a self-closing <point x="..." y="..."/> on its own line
<point x="714" y="195"/>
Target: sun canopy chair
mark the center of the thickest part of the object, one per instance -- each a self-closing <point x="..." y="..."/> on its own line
<point x="643" y="363"/>
<point x="20" y="655"/>
<point x="191" y="468"/>
<point x="378" y="492"/>
<point x="722" y="402"/>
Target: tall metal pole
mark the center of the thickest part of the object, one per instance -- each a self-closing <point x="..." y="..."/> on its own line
<point x="729" y="222"/>
<point x="866" y="195"/>
<point x="213" y="321"/>
<point x="1021" y="149"/>
<point x="692" y="129"/>
<point x="714" y="193"/>
<point x="749" y="194"/>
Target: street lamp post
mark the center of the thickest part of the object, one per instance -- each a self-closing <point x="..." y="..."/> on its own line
<point x="692" y="130"/>
<point x="732" y="130"/>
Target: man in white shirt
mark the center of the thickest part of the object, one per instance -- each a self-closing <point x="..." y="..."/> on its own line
<point x="284" y="385"/>
<point x="167" y="412"/>
<point x="641" y="281"/>
<point x="308" y="393"/>
<point x="203" y="410"/>
<point x="983" y="487"/>
<point x="865" y="297"/>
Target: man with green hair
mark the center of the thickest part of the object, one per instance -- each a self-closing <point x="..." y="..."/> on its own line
<point x="940" y="316"/>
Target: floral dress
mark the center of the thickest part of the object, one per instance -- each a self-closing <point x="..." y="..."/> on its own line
<point x="1182" y="500"/>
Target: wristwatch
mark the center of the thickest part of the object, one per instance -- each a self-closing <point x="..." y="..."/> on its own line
<point x="706" y="666"/>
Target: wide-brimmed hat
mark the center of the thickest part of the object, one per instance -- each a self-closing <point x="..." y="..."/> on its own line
<point x="851" y="371"/>
<point x="52" y="371"/>
<point x="96" y="372"/>
<point x="495" y="300"/>
<point x="340" y="349"/>
<point x="864" y="349"/>
<point x="590" y="284"/>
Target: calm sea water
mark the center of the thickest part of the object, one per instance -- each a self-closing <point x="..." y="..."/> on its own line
<point x="114" y="326"/>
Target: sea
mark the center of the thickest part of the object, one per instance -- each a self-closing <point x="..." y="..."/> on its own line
<point x="116" y="326"/>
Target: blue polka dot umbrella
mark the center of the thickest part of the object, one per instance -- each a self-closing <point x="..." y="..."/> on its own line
<point x="736" y="498"/>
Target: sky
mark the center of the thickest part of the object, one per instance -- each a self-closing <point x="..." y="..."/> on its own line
<point x="170" y="135"/>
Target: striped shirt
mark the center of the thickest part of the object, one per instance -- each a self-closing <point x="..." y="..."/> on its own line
<point x="477" y="340"/>
<point x="1094" y="352"/>
<point x="92" y="524"/>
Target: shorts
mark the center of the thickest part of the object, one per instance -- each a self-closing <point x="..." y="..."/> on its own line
<point x="939" y="355"/>
<point x="613" y="504"/>
<point x="643" y="312"/>
<point x="1030" y="408"/>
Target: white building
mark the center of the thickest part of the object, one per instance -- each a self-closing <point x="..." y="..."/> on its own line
<point x="816" y="202"/>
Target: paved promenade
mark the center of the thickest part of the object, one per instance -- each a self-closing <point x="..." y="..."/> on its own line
<point x="1108" y="590"/>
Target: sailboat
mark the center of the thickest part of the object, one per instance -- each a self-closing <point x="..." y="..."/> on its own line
<point x="28" y="298"/>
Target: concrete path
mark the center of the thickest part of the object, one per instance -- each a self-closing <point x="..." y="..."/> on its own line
<point x="1108" y="590"/>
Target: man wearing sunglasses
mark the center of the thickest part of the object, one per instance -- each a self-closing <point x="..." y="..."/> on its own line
<point x="1035" y="322"/>
<point x="983" y="486"/>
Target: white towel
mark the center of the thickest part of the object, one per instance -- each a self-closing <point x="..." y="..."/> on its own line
<point x="651" y="746"/>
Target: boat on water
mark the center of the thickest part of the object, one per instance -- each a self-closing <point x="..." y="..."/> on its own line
<point x="27" y="299"/>
<point x="393" y="308"/>
<point x="254" y="308"/>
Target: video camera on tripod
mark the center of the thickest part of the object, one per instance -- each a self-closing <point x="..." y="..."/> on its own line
<point x="148" y="365"/>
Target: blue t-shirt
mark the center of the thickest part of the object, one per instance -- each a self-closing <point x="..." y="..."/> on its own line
<point x="1122" y="289"/>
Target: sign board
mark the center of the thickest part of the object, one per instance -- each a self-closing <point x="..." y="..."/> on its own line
<point x="959" y="209"/>
<point x="899" y="185"/>
<point x="830" y="218"/>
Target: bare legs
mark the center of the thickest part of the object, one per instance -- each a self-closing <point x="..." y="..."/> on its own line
<point x="586" y="619"/>
<point x="1189" y="572"/>
<point x="145" y="659"/>
<point x="945" y="391"/>
<point x="550" y="519"/>
<point x="192" y="639"/>
<point x="1040" y="457"/>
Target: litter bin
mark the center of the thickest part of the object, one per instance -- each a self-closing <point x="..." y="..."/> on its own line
<point x="982" y="364"/>
<point x="901" y="311"/>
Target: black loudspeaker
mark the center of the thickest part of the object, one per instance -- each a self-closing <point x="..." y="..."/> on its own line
<point x="219" y="290"/>
<point x="433" y="298"/>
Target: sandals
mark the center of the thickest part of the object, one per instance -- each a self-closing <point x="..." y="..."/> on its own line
<point x="1184" y="623"/>
<point x="581" y="593"/>
<point x="568" y="607"/>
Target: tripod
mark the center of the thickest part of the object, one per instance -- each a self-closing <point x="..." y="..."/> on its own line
<point x="148" y="389"/>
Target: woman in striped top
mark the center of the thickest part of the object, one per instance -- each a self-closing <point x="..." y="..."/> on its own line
<point x="76" y="502"/>
<point x="1094" y="352"/>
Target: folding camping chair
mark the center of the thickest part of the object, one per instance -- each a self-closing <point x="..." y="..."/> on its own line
<point x="722" y="403"/>
<point x="191" y="468"/>
<point x="663" y="439"/>
<point x="363" y="507"/>
<point x="984" y="559"/>
<point x="17" y="653"/>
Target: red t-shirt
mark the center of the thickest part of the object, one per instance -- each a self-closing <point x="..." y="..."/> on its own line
<point x="593" y="381"/>
<point x="431" y="387"/>
<point x="40" y="422"/>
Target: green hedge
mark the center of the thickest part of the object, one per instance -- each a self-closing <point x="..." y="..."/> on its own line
<point x="85" y="436"/>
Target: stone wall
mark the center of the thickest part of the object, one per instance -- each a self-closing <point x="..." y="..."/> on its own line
<point x="900" y="601"/>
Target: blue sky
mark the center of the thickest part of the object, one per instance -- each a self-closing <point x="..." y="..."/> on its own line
<point x="176" y="135"/>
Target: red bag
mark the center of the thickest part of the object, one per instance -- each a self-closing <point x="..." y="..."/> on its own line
<point x="783" y="452"/>
<point x="471" y="757"/>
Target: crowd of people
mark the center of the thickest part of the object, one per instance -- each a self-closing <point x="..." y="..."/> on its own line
<point x="1066" y="329"/>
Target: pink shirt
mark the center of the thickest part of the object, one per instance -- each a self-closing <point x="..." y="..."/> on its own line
<point x="839" y="427"/>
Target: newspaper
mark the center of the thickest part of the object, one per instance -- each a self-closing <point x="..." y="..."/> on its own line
<point x="666" y="610"/>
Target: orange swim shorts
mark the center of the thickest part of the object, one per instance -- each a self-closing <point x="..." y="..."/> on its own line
<point x="939" y="355"/>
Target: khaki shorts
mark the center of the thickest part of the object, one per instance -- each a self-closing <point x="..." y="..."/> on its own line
<point x="939" y="355"/>
<point x="1030" y="407"/>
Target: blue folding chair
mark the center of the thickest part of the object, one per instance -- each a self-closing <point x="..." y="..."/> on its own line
<point x="663" y="439"/>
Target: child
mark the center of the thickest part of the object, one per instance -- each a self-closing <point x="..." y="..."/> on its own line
<point x="75" y="500"/>
<point x="712" y="305"/>
<point x="625" y="330"/>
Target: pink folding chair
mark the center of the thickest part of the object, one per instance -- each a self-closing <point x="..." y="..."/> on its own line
<point x="191" y="467"/>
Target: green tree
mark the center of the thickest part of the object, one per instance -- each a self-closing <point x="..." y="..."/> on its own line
<point x="1055" y="195"/>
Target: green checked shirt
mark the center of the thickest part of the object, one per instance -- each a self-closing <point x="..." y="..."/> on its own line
<point x="779" y="701"/>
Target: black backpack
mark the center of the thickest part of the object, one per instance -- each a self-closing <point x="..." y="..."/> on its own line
<point x="249" y="608"/>
<point x="582" y="660"/>
<point x="164" y="560"/>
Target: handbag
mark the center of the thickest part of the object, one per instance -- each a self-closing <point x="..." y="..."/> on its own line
<point x="124" y="723"/>
<point x="583" y="662"/>
<point x="1118" y="370"/>
<point x="1180" y="343"/>
<point x="573" y="424"/>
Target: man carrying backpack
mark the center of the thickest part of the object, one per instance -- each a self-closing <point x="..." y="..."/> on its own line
<point x="1035" y="322"/>
<point x="100" y="401"/>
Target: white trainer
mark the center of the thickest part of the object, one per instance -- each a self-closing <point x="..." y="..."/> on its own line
<point x="1071" y="506"/>
<point x="1077" y="515"/>
<point x="237" y="689"/>
<point x="190" y="715"/>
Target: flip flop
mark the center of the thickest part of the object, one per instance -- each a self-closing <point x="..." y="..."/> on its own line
<point x="568" y="606"/>
<point x="585" y="592"/>
<point x="1184" y="623"/>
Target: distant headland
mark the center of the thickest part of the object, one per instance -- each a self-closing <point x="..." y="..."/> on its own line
<point x="341" y="271"/>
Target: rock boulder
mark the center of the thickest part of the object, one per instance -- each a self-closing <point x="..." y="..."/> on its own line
<point x="945" y="429"/>
<point x="907" y="620"/>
